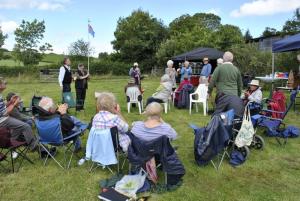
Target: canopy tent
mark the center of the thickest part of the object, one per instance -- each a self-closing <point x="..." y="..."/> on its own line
<point x="287" y="44"/>
<point x="199" y="54"/>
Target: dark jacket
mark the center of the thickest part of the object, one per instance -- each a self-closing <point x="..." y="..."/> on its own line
<point x="184" y="96"/>
<point x="139" y="152"/>
<point x="81" y="83"/>
<point x="210" y="140"/>
<point x="66" y="122"/>
<point x="68" y="76"/>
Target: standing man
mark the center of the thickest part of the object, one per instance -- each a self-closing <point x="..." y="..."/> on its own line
<point x="65" y="76"/>
<point x="81" y="85"/>
<point x="228" y="81"/>
<point x="205" y="72"/>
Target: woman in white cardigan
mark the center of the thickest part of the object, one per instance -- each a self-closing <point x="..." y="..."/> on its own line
<point x="253" y="94"/>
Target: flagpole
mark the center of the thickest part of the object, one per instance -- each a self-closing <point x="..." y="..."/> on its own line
<point x="88" y="47"/>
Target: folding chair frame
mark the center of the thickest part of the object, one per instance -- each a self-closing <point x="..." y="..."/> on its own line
<point x="21" y="150"/>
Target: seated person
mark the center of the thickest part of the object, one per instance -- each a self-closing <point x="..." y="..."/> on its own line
<point x="225" y="102"/>
<point x="109" y="116"/>
<point x="163" y="92"/>
<point x="253" y="93"/>
<point x="182" y="83"/>
<point x="69" y="124"/>
<point x="20" y="130"/>
<point x="130" y="87"/>
<point x="153" y="127"/>
<point x="15" y="113"/>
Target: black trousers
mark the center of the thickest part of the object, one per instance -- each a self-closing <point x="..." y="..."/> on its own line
<point x="80" y="98"/>
<point x="66" y="87"/>
<point x="151" y="99"/>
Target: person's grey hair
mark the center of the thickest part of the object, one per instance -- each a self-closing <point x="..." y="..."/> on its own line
<point x="170" y="63"/>
<point x="165" y="78"/>
<point x="220" y="61"/>
<point x="80" y="65"/>
<point x="187" y="62"/>
<point x="228" y="57"/>
<point x="106" y="101"/>
<point x="154" y="109"/>
<point x="47" y="104"/>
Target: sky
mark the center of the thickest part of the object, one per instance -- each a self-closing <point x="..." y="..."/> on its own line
<point x="66" y="20"/>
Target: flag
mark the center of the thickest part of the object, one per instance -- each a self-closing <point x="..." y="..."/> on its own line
<point x="91" y="31"/>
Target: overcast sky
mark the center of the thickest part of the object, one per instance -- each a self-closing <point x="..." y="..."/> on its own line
<point x="66" y="20"/>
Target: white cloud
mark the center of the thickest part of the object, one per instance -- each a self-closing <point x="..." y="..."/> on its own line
<point x="8" y="27"/>
<point x="265" y="7"/>
<point x="215" y="11"/>
<point x="33" y="4"/>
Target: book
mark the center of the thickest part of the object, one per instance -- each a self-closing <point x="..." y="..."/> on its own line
<point x="110" y="194"/>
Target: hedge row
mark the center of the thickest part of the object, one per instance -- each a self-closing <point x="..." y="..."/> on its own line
<point x="100" y="68"/>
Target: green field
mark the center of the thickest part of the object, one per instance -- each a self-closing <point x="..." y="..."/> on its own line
<point x="268" y="175"/>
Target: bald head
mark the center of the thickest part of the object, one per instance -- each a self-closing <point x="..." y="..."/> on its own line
<point x="228" y="57"/>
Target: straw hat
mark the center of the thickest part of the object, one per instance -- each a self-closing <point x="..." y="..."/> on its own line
<point x="205" y="59"/>
<point x="254" y="83"/>
<point x="135" y="64"/>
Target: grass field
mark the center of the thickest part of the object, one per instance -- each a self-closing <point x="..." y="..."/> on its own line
<point x="268" y="175"/>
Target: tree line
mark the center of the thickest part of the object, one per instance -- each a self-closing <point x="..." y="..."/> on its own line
<point x="143" y="38"/>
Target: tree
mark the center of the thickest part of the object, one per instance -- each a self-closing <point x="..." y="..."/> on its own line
<point x="80" y="49"/>
<point x="228" y="35"/>
<point x="292" y="26"/>
<point x="2" y="39"/>
<point x="269" y="32"/>
<point x="137" y="38"/>
<point x="28" y="37"/>
<point x="247" y="35"/>
<point x="103" y="55"/>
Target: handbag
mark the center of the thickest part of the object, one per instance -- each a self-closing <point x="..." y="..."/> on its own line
<point x="245" y="134"/>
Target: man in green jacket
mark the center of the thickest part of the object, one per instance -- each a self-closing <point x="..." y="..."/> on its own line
<point x="228" y="81"/>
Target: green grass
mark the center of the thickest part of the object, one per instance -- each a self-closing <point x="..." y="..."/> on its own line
<point x="271" y="174"/>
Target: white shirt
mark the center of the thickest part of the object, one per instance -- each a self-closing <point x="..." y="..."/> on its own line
<point x="256" y="96"/>
<point x="61" y="75"/>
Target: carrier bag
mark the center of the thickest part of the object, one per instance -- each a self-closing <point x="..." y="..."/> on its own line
<point x="130" y="184"/>
<point x="245" y="134"/>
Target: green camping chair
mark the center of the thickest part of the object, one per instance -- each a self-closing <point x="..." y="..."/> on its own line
<point x="68" y="98"/>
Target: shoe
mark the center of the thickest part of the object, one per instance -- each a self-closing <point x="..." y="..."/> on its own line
<point x="81" y="162"/>
<point x="15" y="155"/>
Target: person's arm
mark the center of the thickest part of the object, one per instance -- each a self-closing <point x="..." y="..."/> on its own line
<point x="256" y="97"/>
<point x="172" y="134"/>
<point x="61" y="76"/>
<point x="190" y="71"/>
<point x="209" y="69"/>
<point x="239" y="84"/>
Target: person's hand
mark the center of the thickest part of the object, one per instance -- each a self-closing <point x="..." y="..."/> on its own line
<point x="178" y="69"/>
<point x="117" y="109"/>
<point x="62" y="109"/>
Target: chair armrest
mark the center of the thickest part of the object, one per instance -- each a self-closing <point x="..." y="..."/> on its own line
<point x="272" y="111"/>
<point x="271" y="118"/>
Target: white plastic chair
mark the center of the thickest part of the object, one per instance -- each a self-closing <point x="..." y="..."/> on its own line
<point x="201" y="97"/>
<point x="133" y="93"/>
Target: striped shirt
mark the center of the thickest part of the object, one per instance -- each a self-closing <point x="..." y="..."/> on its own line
<point x="105" y="120"/>
<point x="2" y="109"/>
<point x="142" y="132"/>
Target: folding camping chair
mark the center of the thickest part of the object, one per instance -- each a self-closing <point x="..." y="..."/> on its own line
<point x="8" y="146"/>
<point x="275" y="126"/>
<point x="49" y="133"/>
<point x="103" y="149"/>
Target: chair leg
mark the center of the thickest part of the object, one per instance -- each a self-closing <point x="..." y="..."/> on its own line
<point x="140" y="107"/>
<point x="196" y="104"/>
<point x="191" y="107"/>
<point x="166" y="108"/>
<point x="128" y="107"/>
<point x="204" y="108"/>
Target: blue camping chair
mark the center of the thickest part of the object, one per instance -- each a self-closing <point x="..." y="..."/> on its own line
<point x="49" y="133"/>
<point x="274" y="126"/>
